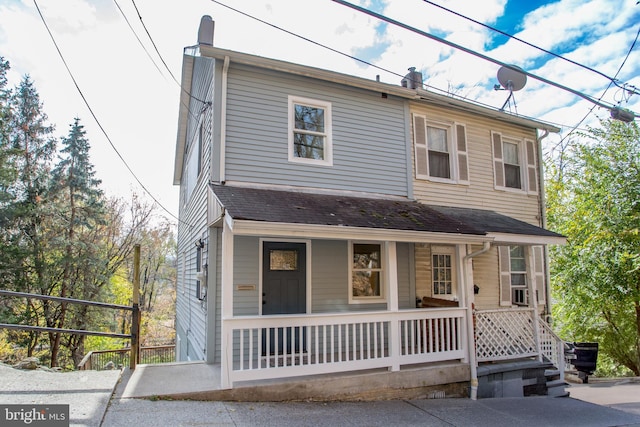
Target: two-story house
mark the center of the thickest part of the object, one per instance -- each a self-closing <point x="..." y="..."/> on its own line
<point x="331" y="224"/>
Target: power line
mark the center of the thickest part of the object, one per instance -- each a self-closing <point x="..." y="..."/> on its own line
<point x="612" y="79"/>
<point x="603" y="93"/>
<point x="474" y="53"/>
<point x="367" y="63"/>
<point x="138" y="38"/>
<point x="154" y="62"/>
<point x="104" y="132"/>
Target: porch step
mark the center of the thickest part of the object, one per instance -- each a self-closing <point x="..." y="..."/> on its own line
<point x="555" y="385"/>
<point x="520" y="378"/>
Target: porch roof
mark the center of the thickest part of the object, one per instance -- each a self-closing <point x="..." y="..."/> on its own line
<point x="401" y="214"/>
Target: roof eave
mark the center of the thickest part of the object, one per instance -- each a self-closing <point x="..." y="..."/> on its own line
<point x="183" y="116"/>
<point x="526" y="239"/>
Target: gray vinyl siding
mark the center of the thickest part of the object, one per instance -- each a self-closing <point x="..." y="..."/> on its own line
<point x="191" y="313"/>
<point x="246" y="272"/>
<point x="330" y="278"/>
<point x="480" y="193"/>
<point x="369" y="151"/>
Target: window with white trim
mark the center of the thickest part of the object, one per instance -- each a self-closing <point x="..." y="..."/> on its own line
<point x="443" y="274"/>
<point x="366" y="281"/>
<point x="520" y="265"/>
<point x="310" y="131"/>
<point x="514" y="163"/>
<point x="440" y="150"/>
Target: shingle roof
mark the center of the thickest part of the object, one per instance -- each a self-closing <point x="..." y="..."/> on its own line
<point x="267" y="205"/>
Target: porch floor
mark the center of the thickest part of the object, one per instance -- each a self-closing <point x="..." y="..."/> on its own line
<point x="201" y="381"/>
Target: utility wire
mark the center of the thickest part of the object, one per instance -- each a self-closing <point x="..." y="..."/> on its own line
<point x="612" y="79"/>
<point x="603" y="93"/>
<point x="160" y="55"/>
<point x="96" y="118"/>
<point x="138" y="38"/>
<point x="474" y="53"/>
<point x="368" y="63"/>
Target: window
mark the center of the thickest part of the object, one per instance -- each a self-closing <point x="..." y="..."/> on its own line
<point x="366" y="284"/>
<point x="310" y="131"/>
<point x="440" y="151"/>
<point x="201" y="276"/>
<point x="438" y="154"/>
<point x="515" y="165"/>
<point x="520" y="267"/>
<point x="512" y="175"/>
<point x="283" y="260"/>
<point x="443" y="274"/>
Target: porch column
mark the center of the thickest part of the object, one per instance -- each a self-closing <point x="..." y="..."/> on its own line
<point x="391" y="278"/>
<point x="226" y="290"/>
<point x="533" y="299"/>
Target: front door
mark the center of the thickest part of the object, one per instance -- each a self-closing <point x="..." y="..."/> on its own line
<point x="284" y="290"/>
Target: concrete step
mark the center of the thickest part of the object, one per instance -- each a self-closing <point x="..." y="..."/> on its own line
<point x="556" y="388"/>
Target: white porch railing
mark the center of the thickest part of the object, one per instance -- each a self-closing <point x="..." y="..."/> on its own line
<point x="264" y="347"/>
<point x="510" y="334"/>
<point x="504" y="334"/>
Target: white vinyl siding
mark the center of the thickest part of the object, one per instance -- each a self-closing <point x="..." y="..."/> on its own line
<point x="440" y="150"/>
<point x="481" y="191"/>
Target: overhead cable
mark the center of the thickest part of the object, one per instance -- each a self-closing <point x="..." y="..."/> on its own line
<point x="613" y="80"/>
<point x="104" y="132"/>
<point x="474" y="53"/>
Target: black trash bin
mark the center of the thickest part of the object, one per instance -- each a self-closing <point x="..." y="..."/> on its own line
<point x="585" y="359"/>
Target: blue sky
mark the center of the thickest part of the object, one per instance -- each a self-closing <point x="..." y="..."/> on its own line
<point x="137" y="104"/>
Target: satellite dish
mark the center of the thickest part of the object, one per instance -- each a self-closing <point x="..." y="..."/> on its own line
<point x="512" y="78"/>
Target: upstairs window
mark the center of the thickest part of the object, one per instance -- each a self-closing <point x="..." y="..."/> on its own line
<point x="515" y="166"/>
<point x="440" y="151"/>
<point x="511" y="163"/>
<point x="310" y="131"/>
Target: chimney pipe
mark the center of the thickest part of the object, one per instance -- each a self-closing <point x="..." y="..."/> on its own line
<point x="205" y="32"/>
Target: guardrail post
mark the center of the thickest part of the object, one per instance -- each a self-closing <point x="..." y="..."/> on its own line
<point x="135" y="318"/>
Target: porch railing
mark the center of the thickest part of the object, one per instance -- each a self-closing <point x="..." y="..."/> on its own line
<point x="294" y="345"/>
<point x="510" y="334"/>
<point x="504" y="334"/>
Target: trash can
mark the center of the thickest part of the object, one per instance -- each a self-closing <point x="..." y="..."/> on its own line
<point x="585" y="359"/>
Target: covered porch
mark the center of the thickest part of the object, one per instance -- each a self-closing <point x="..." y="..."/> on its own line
<point x="333" y="332"/>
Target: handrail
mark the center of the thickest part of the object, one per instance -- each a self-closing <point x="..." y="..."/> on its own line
<point x="61" y="299"/>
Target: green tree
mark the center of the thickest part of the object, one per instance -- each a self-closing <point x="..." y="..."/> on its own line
<point x="77" y="203"/>
<point x="28" y="159"/>
<point x="594" y="199"/>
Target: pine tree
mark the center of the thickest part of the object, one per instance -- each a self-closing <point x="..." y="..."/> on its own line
<point x="77" y="199"/>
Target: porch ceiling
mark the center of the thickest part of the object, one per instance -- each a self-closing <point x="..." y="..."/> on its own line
<point x="262" y="205"/>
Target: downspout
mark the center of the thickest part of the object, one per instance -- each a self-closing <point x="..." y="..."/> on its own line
<point x="471" y="344"/>
<point x="223" y="120"/>
<point x="543" y="220"/>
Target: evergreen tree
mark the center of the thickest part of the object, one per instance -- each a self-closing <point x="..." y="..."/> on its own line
<point x="77" y="202"/>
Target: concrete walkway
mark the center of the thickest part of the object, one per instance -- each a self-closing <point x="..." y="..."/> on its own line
<point x="105" y="399"/>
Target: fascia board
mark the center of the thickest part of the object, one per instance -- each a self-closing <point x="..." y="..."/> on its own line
<point x="418" y="95"/>
<point x="522" y="239"/>
<point x="183" y="116"/>
<point x="315" y="231"/>
<point x="307" y="71"/>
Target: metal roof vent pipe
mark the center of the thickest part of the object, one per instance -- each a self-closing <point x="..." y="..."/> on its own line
<point x="205" y="32"/>
<point x="413" y="80"/>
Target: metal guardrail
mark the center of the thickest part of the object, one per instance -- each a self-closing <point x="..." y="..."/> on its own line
<point x="134" y="308"/>
<point x="99" y="359"/>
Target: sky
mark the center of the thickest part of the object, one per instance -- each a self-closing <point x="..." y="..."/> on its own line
<point x="129" y="75"/>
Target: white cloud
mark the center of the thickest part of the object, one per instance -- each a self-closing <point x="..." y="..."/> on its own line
<point x="137" y="105"/>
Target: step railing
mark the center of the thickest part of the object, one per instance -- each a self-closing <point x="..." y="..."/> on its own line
<point x="111" y="359"/>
